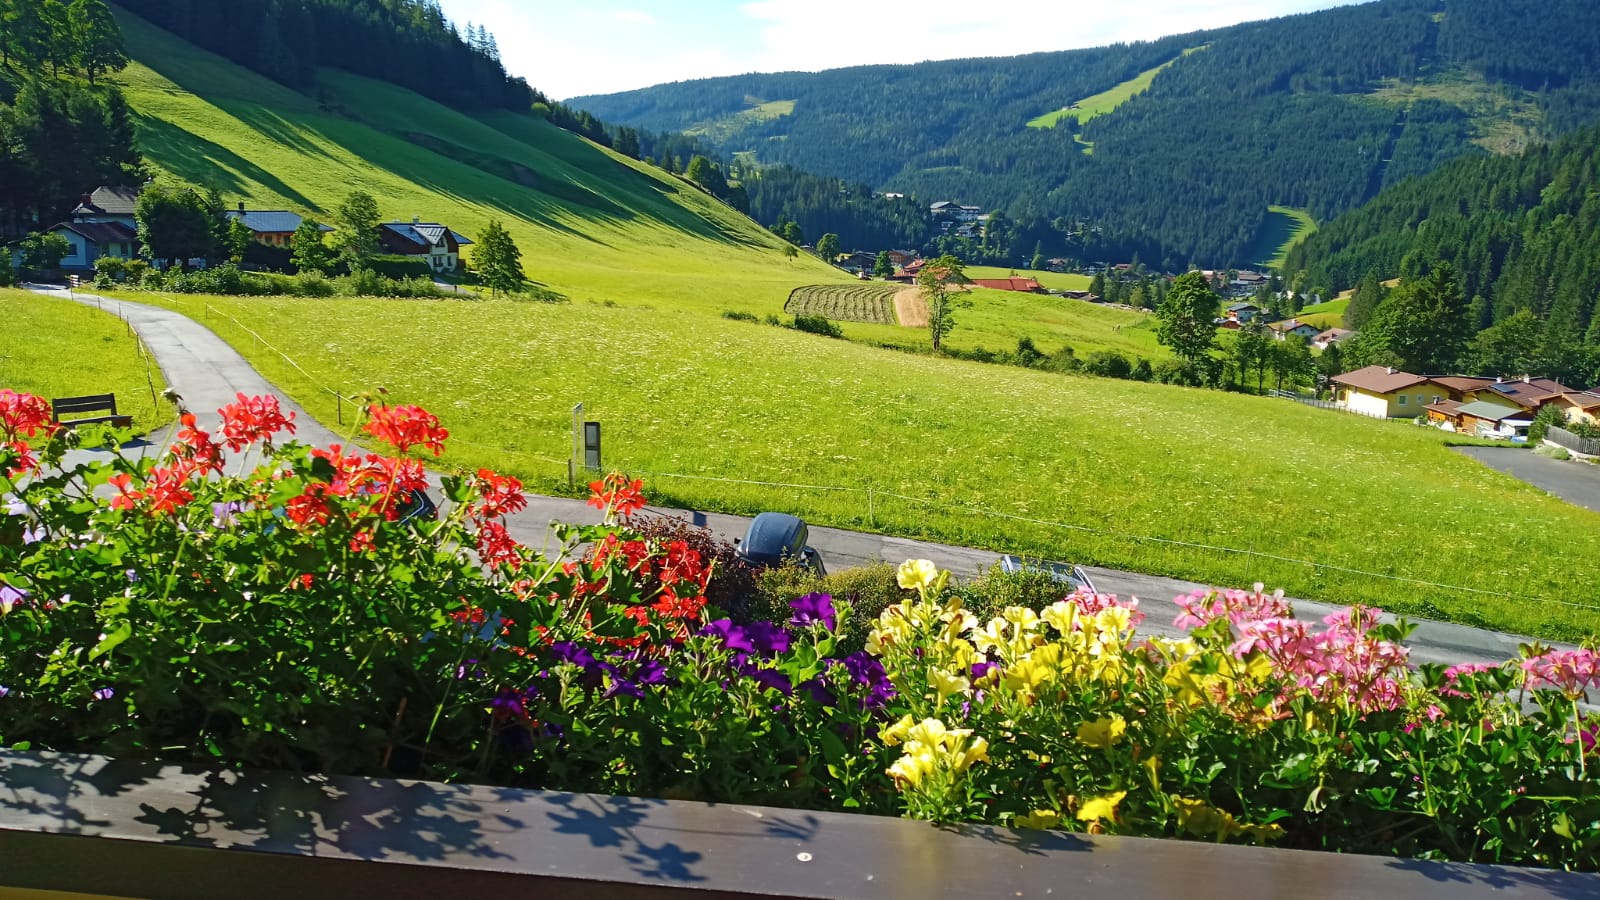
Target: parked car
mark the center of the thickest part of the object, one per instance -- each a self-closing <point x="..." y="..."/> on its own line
<point x="776" y="538"/>
<point x="1061" y="573"/>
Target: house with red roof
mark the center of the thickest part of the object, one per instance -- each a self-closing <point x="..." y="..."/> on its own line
<point x="1386" y="393"/>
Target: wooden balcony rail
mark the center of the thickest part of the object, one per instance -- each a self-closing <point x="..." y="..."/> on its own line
<point x="99" y="826"/>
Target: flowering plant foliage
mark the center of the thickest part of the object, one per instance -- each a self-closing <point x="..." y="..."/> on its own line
<point x="245" y="599"/>
<point x="1256" y="727"/>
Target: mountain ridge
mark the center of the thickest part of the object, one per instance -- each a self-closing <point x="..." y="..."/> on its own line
<point x="1289" y="111"/>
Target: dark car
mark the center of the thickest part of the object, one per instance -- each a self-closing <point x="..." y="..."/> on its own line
<point x="1061" y="573"/>
<point x="776" y="538"/>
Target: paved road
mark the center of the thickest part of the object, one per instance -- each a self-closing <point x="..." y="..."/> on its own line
<point x="1576" y="482"/>
<point x="208" y="374"/>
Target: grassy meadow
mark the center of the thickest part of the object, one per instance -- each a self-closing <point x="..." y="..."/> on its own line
<point x="1285" y="227"/>
<point x="681" y="393"/>
<point x="1056" y="281"/>
<point x="1327" y="314"/>
<point x="55" y="347"/>
<point x="591" y="224"/>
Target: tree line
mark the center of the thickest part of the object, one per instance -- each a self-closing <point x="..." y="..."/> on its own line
<point x="1514" y="238"/>
<point x="58" y="134"/>
<point x="409" y="43"/>
<point x="1265" y="113"/>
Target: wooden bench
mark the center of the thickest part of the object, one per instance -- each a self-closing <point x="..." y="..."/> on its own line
<point x="86" y="408"/>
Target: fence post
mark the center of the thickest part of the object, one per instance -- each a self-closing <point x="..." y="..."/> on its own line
<point x="872" y="521"/>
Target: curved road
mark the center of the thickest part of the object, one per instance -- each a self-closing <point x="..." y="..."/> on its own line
<point x="208" y="373"/>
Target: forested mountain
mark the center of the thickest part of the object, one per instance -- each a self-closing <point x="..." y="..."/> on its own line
<point x="1519" y="236"/>
<point x="409" y="43"/>
<point x="1318" y="111"/>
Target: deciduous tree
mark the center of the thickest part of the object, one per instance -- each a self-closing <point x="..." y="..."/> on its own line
<point x="308" y="253"/>
<point x="497" y="259"/>
<point x="828" y="247"/>
<point x="358" y="227"/>
<point x="97" y="39"/>
<point x="1187" y="317"/>
<point x="175" y="223"/>
<point x="883" y="266"/>
<point x="937" y="282"/>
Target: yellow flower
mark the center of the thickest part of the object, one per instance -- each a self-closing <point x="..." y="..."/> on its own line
<point x="1024" y="618"/>
<point x="945" y="684"/>
<point x="932" y="733"/>
<point x="1025" y="675"/>
<point x="977" y="751"/>
<point x="917" y="574"/>
<point x="896" y="733"/>
<point x="1104" y="807"/>
<point x="992" y="636"/>
<point x="912" y="768"/>
<point x="892" y="629"/>
<point x="1042" y="819"/>
<point x="1062" y="616"/>
<point x="1102" y="733"/>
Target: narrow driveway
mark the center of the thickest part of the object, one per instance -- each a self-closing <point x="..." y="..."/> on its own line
<point x="1576" y="482"/>
<point x="208" y="374"/>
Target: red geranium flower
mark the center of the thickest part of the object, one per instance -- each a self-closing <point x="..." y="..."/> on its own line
<point x="616" y="494"/>
<point x="195" y="445"/>
<point x="24" y="415"/>
<point x="404" y="427"/>
<point x="253" y="419"/>
<point x="311" y="507"/>
<point x="26" y="460"/>
<point x="497" y="548"/>
<point x="498" y="495"/>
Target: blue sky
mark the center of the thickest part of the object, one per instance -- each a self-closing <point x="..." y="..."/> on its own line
<point x="580" y="47"/>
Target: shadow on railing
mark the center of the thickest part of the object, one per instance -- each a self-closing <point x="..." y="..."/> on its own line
<point x="85" y="824"/>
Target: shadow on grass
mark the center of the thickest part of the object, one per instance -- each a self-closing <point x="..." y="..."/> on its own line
<point x="195" y="159"/>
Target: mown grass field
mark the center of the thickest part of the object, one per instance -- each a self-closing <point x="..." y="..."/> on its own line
<point x="57" y="348"/>
<point x="871" y="302"/>
<point x="997" y="319"/>
<point x="686" y="394"/>
<point x="1327" y="314"/>
<point x="1285" y="227"/>
<point x="1107" y="100"/>
<point x="758" y="110"/>
<point x="591" y="224"/>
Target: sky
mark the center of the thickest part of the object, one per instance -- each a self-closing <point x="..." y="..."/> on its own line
<point x="577" y="47"/>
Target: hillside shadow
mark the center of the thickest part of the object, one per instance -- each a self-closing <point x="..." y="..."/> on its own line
<point x="193" y="158"/>
<point x="514" y="186"/>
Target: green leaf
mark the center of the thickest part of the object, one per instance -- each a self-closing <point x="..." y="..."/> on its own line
<point x="112" y="640"/>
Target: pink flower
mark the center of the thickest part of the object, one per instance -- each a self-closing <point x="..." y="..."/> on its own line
<point x="1572" y="672"/>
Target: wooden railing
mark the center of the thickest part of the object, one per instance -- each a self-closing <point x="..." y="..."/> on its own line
<point x="92" y="825"/>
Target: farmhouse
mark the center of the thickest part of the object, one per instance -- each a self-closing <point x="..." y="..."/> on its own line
<point x="1243" y="312"/>
<point x="1580" y="406"/>
<point x="1492" y="420"/>
<point x="272" y="227"/>
<point x="88" y="241"/>
<point x="1460" y="387"/>
<point x="1328" y="338"/>
<point x="1386" y="393"/>
<point x="438" y="244"/>
<point x="1527" y="393"/>
<point x="1283" y="329"/>
<point x="107" y="204"/>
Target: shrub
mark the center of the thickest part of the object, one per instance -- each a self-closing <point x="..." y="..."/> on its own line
<point x="1108" y="364"/>
<point x="739" y="315"/>
<point x="734" y="585"/>
<point x="399" y="267"/>
<point x="1142" y="370"/>
<point x="109" y="270"/>
<point x="313" y="284"/>
<point x="8" y="275"/>
<point x="1548" y="415"/>
<point x="818" y="325"/>
<point x="868" y="590"/>
<point x="1552" y="451"/>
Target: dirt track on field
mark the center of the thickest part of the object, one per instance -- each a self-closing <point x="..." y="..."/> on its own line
<point x="910" y="310"/>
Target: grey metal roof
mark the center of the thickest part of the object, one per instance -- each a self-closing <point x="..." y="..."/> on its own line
<point x="1492" y="412"/>
<point x="426" y="233"/>
<point x="268" y="221"/>
<point x="100" y="232"/>
<point x="111" y="201"/>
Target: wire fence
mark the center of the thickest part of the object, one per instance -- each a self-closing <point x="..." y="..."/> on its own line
<point x="872" y="496"/>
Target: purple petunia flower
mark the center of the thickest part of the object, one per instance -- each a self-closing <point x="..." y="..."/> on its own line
<point x="814" y="609"/>
<point x="223" y="514"/>
<point x="767" y="638"/>
<point x="568" y="652"/>
<point x="980" y="669"/>
<point x="733" y="637"/>
<point x="651" y="671"/>
<point x="770" y="679"/>
<point x="621" y="686"/>
<point x="104" y="694"/>
<point x="866" y="671"/>
<point x="4" y="692"/>
<point x="819" y="693"/>
<point x="513" y="702"/>
<point x="10" y="597"/>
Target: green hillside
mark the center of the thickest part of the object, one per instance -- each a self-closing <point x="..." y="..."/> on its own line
<point x="591" y="224"/>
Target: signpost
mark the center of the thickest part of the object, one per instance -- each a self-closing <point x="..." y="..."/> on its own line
<point x="72" y="284"/>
